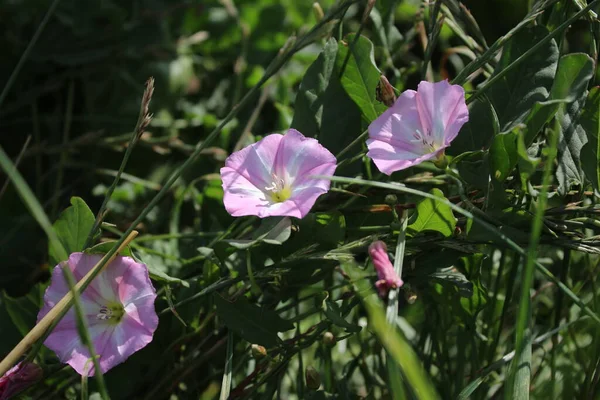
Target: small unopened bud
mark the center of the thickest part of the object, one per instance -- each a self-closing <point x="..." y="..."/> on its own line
<point x="329" y="339"/>
<point x="19" y="378"/>
<point x="258" y="352"/>
<point x="391" y="199"/>
<point x="318" y="11"/>
<point x="313" y="379"/>
<point x="387" y="276"/>
<point x="410" y="296"/>
<point x="385" y="92"/>
<point x="441" y="161"/>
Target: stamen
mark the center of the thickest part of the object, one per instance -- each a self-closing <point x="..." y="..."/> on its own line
<point x="105" y="313"/>
<point x="112" y="312"/>
<point x="277" y="184"/>
<point x="278" y="189"/>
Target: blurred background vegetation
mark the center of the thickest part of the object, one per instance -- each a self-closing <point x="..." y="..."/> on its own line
<point x="69" y="114"/>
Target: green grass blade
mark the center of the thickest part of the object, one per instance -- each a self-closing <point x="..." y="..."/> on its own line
<point x="32" y="203"/>
<point x="487" y="226"/>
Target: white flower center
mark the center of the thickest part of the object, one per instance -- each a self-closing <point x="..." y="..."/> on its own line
<point x="429" y="144"/>
<point x="278" y="189"/>
<point x="112" y="312"/>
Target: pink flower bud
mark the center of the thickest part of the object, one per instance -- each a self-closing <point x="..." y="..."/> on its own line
<point x="385" y="92"/>
<point x="18" y="379"/>
<point x="388" y="278"/>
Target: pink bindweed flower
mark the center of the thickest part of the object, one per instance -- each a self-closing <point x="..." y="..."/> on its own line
<point x="274" y="176"/>
<point x="19" y="378"/>
<point x="118" y="306"/>
<point x="418" y="127"/>
<point x="388" y="278"/>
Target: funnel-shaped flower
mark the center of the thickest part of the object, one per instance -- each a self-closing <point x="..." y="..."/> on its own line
<point x="118" y="306"/>
<point x="418" y="127"/>
<point x="388" y="278"/>
<point x="275" y="176"/>
<point x="17" y="379"/>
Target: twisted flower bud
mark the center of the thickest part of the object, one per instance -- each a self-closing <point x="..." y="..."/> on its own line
<point x="388" y="278"/>
<point x="20" y="377"/>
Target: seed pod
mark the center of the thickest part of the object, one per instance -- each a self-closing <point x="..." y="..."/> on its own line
<point x="318" y="11"/>
<point x="329" y="339"/>
<point x="313" y="379"/>
<point x="258" y="352"/>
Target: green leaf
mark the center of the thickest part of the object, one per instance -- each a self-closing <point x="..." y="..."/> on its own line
<point x="527" y="84"/>
<point x="104" y="247"/>
<point x="322" y="108"/>
<point x="319" y="231"/>
<point x="313" y="90"/>
<point x="34" y="206"/>
<point x="571" y="139"/>
<point x="473" y="167"/>
<point x="450" y="276"/>
<point x="504" y="153"/>
<point x="590" y="153"/>
<point x="333" y="312"/>
<point x="23" y="310"/>
<point x="72" y="227"/>
<point x="433" y="215"/>
<point x="254" y="324"/>
<point x="359" y="74"/>
<point x="513" y="96"/>
<point x="274" y="230"/>
<point x="156" y="271"/>
<point x="527" y="165"/>
<point x="572" y="76"/>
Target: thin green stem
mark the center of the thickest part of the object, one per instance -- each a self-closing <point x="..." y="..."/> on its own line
<point x="64" y="153"/>
<point x="529" y="52"/>
<point x="143" y="121"/>
<point x="32" y="42"/>
<point x="84" y="333"/>
<point x="487" y="226"/>
<point x="520" y="372"/>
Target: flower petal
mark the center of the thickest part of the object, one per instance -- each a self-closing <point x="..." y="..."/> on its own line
<point x="69" y="349"/>
<point x="389" y="158"/>
<point x="305" y="199"/>
<point x="241" y="196"/>
<point x="308" y="180"/>
<point x="399" y="124"/>
<point x="121" y="342"/>
<point x="297" y="155"/>
<point x="255" y="162"/>
<point x="132" y="280"/>
<point x="442" y="109"/>
<point x="286" y="208"/>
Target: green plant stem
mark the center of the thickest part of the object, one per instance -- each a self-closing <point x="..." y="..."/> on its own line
<point x="226" y="383"/>
<point x="143" y="118"/>
<point x="359" y="139"/>
<point x="284" y="55"/>
<point x="32" y="203"/>
<point x="253" y="284"/>
<point x="32" y="42"/>
<point x="84" y="333"/>
<point x="474" y="65"/>
<point x="520" y="371"/>
<point x="63" y="155"/>
<point x="529" y="52"/>
<point x="487" y="226"/>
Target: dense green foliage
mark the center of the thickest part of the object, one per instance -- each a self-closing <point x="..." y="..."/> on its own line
<point x="499" y="251"/>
